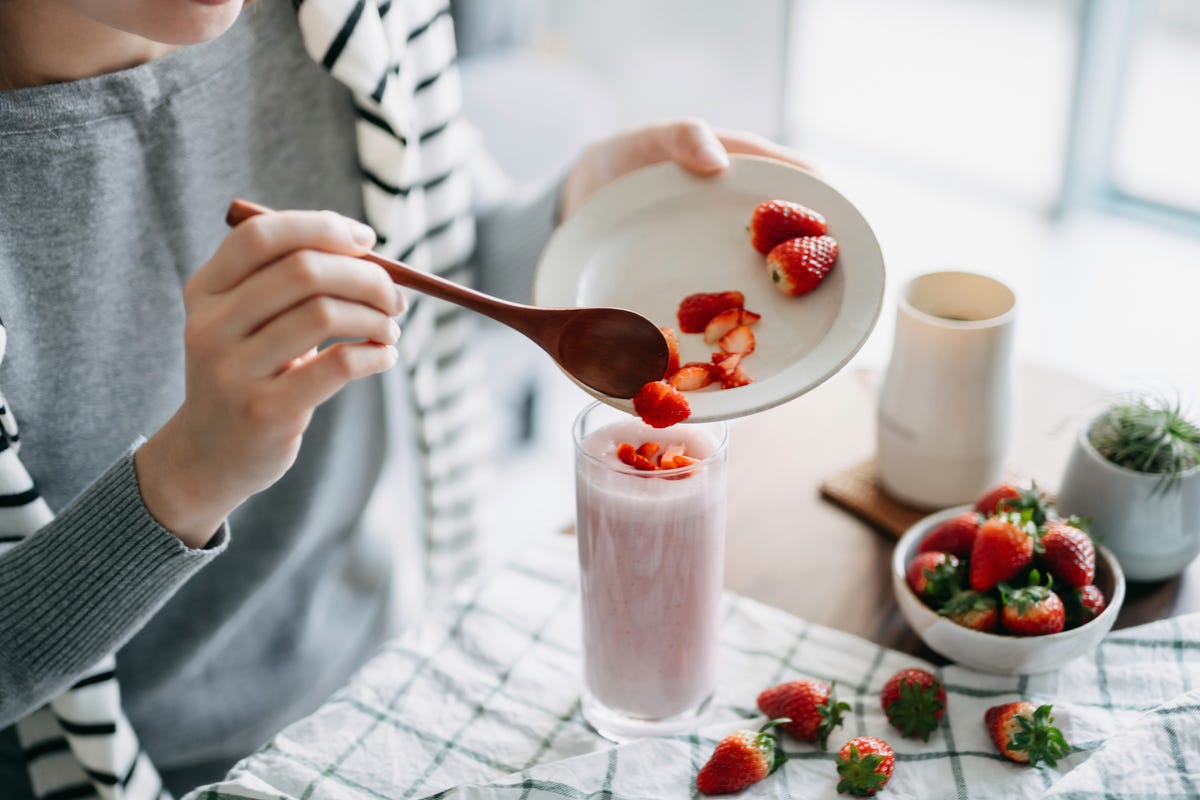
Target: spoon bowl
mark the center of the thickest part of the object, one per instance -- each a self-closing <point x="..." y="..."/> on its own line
<point x="611" y="350"/>
<point x="612" y="347"/>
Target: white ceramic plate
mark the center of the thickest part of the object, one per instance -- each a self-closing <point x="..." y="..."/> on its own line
<point x="648" y="240"/>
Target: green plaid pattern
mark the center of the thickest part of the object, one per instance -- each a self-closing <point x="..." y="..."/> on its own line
<point x="485" y="704"/>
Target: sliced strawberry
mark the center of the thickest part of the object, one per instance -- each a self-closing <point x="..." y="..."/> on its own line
<point x="777" y="221"/>
<point x="696" y="310"/>
<point x="660" y="405"/>
<point x="677" y="462"/>
<point x="729" y="366"/>
<point x="738" y="340"/>
<point x="722" y="324"/>
<point x="749" y="317"/>
<point x="672" y="350"/>
<point x="627" y="453"/>
<point x="648" y="449"/>
<point x="692" y="376"/>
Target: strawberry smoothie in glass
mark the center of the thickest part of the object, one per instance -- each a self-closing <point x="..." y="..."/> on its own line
<point x="651" y="556"/>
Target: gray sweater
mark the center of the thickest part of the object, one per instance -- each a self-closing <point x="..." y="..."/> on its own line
<point x="112" y="192"/>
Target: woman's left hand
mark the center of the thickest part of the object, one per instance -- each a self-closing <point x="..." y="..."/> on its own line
<point x="690" y="143"/>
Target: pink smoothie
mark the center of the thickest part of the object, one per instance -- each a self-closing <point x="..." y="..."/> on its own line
<point x="651" y="553"/>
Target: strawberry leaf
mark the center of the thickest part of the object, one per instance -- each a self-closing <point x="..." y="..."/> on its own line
<point x="1039" y="738"/>
<point x="831" y="716"/>
<point x="914" y="713"/>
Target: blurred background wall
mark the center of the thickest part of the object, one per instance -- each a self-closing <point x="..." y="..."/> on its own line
<point x="1051" y="143"/>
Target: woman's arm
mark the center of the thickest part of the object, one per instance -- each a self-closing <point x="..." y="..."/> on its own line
<point x="83" y="585"/>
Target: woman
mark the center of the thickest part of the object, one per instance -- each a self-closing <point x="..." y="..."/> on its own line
<point x="126" y="127"/>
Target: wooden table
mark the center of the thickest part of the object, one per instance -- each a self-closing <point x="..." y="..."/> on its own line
<point x="790" y="548"/>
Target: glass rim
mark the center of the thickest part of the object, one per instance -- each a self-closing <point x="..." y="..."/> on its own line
<point x="620" y="467"/>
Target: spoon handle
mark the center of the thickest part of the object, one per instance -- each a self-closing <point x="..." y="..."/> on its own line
<point x="513" y="315"/>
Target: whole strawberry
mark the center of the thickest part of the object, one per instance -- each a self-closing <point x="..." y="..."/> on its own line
<point x="1007" y="497"/>
<point x="1003" y="547"/>
<point x="811" y="707"/>
<point x="1083" y="605"/>
<point x="974" y="610"/>
<point x="777" y="221"/>
<point x="914" y="702"/>
<point x="934" y="576"/>
<point x="955" y="536"/>
<point x="1025" y="734"/>
<point x="1068" y="554"/>
<point x="865" y="764"/>
<point x="743" y="758"/>
<point x="1032" y="610"/>
<point x="798" y="266"/>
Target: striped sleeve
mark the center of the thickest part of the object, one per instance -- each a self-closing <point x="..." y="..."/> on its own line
<point x="85" y="584"/>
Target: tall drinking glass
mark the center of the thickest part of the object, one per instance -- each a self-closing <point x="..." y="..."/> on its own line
<point x="651" y="557"/>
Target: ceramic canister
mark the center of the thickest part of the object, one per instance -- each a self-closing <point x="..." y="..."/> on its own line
<point x="945" y="409"/>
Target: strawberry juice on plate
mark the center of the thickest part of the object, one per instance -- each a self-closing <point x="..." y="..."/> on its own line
<point x="651" y="554"/>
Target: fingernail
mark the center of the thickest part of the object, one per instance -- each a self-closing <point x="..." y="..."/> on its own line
<point x="401" y="300"/>
<point x="713" y="155"/>
<point x="394" y="353"/>
<point x="361" y="233"/>
<point x="393" y="330"/>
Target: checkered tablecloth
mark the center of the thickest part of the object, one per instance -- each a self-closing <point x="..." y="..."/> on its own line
<point x="486" y="705"/>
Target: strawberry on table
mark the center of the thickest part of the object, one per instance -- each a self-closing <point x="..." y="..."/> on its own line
<point x="914" y="702"/>
<point x="865" y="764"/>
<point x="777" y="221"/>
<point x="696" y="310"/>
<point x="660" y="405"/>
<point x="1025" y="734"/>
<point x="743" y="758"/>
<point x="798" y="266"/>
<point x="1003" y="547"/>
<point x="693" y="375"/>
<point x="672" y="350"/>
<point x="955" y="536"/>
<point x="934" y="576"/>
<point x="1068" y="554"/>
<point x="974" y="610"/>
<point x="1032" y="610"/>
<point x="811" y="706"/>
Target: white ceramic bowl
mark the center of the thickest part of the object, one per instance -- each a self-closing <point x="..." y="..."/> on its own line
<point x="991" y="652"/>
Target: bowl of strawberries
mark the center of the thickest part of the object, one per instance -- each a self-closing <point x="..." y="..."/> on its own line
<point x="1007" y="585"/>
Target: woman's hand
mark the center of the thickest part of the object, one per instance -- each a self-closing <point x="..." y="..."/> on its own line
<point x="278" y="286"/>
<point x="690" y="143"/>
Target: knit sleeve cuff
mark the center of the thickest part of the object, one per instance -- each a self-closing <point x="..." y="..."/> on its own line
<point x="88" y="580"/>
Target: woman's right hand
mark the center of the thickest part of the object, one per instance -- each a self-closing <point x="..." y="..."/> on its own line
<point x="278" y="286"/>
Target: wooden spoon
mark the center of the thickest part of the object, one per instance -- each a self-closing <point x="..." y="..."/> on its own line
<point x="612" y="350"/>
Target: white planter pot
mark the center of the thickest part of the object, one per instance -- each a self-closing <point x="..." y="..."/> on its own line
<point x="1154" y="534"/>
